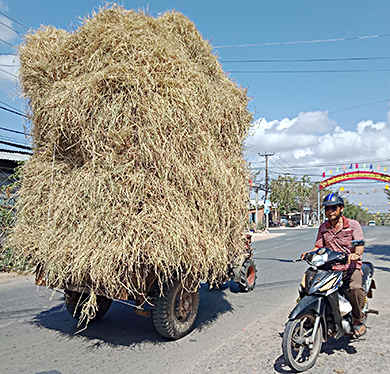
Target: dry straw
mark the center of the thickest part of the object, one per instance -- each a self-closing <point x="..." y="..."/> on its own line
<point x="138" y="154"/>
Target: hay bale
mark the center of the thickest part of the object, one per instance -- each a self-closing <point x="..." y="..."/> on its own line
<point x="138" y="154"/>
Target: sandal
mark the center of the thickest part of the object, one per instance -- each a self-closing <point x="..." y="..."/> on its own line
<point x="360" y="330"/>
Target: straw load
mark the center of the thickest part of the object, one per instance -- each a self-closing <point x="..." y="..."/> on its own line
<point x="138" y="154"/>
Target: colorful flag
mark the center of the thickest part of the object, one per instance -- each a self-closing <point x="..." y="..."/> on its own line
<point x="371" y="166"/>
<point x="357" y="166"/>
<point x="364" y="165"/>
<point x="330" y="172"/>
<point x="350" y="166"/>
<point x="323" y="175"/>
<point x="344" y="167"/>
<point x="379" y="167"/>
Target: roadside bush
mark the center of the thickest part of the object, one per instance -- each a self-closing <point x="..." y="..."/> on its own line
<point x="9" y="262"/>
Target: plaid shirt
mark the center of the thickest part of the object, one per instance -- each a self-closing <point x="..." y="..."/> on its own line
<point x="340" y="241"/>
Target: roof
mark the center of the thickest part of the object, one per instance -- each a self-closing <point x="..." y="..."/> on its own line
<point x="14" y="155"/>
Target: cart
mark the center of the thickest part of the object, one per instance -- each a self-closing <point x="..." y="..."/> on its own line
<point x="174" y="308"/>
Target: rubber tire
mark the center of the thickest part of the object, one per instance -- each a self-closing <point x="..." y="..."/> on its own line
<point x="288" y="343"/>
<point x="166" y="318"/>
<point x="248" y="275"/>
<point x="74" y="309"/>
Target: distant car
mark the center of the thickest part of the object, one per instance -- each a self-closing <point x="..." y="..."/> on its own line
<point x="371" y="223"/>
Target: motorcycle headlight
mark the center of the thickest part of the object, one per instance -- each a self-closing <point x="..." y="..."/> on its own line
<point x="319" y="260"/>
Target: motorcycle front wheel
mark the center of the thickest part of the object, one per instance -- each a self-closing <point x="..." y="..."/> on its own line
<point x="300" y="348"/>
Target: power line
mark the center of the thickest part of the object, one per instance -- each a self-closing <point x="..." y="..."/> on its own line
<point x="13" y="111"/>
<point x="349" y="108"/>
<point x="303" y="41"/>
<point x="14" y="131"/>
<point x="359" y="106"/>
<point x="4" y="41"/>
<point x="5" y="71"/>
<point x="16" y="145"/>
<point x="304" y="71"/>
<point x="308" y="60"/>
<point x="333" y="163"/>
<point x="9" y="27"/>
<point x="10" y="106"/>
<point x="5" y="15"/>
<point x="14" y="140"/>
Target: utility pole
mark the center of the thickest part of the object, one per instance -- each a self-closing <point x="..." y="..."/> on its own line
<point x="266" y="203"/>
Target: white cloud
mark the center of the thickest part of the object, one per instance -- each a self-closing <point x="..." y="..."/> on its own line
<point x="370" y="126"/>
<point x="314" y="138"/>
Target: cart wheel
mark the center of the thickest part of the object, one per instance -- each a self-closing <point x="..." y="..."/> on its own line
<point x="74" y="302"/>
<point x="174" y="313"/>
<point x="248" y="275"/>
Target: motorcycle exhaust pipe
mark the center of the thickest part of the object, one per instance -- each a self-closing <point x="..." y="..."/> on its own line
<point x="372" y="311"/>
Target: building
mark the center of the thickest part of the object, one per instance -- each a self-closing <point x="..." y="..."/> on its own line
<point x="9" y="161"/>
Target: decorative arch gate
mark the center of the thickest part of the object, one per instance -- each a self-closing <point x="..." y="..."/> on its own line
<point x="355" y="175"/>
<point x="350" y="176"/>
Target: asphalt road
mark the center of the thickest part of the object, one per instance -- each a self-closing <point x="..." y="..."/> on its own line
<point x="234" y="332"/>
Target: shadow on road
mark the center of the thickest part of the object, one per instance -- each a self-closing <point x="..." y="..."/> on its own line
<point x="383" y="268"/>
<point x="379" y="250"/>
<point x="331" y="347"/>
<point x="121" y="327"/>
<point x="272" y="259"/>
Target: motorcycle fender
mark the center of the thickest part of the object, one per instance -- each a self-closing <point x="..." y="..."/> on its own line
<point x="311" y="303"/>
<point x="306" y="304"/>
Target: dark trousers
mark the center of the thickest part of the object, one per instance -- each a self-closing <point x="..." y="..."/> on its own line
<point x="352" y="279"/>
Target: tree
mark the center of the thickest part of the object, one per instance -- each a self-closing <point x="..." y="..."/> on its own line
<point x="303" y="190"/>
<point x="283" y="192"/>
<point x="291" y="194"/>
<point x="387" y="192"/>
<point x="356" y="212"/>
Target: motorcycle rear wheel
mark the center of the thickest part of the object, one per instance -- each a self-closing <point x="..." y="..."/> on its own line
<point x="297" y="353"/>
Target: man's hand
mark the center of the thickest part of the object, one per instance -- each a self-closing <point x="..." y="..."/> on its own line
<point x="304" y="253"/>
<point x="353" y="257"/>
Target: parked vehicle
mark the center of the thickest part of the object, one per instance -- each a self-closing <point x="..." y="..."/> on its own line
<point x="173" y="311"/>
<point x="244" y="274"/>
<point x="322" y="310"/>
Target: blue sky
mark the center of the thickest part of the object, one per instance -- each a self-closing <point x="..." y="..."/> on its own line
<point x="315" y="115"/>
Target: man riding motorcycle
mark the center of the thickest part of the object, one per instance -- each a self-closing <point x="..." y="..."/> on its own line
<point x="337" y="234"/>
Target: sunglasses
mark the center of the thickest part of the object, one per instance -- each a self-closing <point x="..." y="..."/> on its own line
<point x="331" y="207"/>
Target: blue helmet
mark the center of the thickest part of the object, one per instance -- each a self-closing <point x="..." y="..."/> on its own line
<point x="333" y="199"/>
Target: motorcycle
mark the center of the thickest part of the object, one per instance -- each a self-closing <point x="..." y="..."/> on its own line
<point x="323" y="309"/>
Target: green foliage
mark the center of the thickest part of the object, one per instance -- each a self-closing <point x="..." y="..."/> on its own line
<point x="292" y="194"/>
<point x="8" y="262"/>
<point x="260" y="226"/>
<point x="284" y="193"/>
<point x="356" y="212"/>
